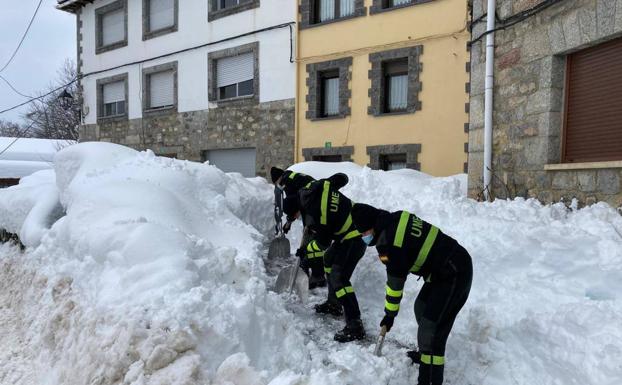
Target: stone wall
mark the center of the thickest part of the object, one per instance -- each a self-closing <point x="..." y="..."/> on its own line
<point x="528" y="101"/>
<point x="269" y="127"/>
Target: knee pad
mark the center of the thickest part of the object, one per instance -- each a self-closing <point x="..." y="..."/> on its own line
<point x="426" y="334"/>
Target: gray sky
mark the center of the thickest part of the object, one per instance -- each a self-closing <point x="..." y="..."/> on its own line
<point x="51" y="40"/>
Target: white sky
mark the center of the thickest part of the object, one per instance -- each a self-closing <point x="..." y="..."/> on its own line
<point x="51" y="40"/>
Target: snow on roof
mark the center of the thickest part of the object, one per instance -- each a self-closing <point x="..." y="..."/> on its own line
<point x="24" y="156"/>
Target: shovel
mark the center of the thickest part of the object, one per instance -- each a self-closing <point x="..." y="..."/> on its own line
<point x="279" y="247"/>
<point x="380" y="342"/>
<point x="294" y="278"/>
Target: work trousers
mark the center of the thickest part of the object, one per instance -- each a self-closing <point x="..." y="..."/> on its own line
<point x="436" y="308"/>
<point x="340" y="261"/>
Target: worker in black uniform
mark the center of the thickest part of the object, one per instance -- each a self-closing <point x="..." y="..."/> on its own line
<point x="406" y="244"/>
<point x="311" y="257"/>
<point x="327" y="213"/>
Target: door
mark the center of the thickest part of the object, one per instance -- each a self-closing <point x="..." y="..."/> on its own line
<point x="240" y="160"/>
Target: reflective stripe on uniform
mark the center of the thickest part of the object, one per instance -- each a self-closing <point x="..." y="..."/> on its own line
<point x="345" y="226"/>
<point x="324" y="204"/>
<point x="391" y="306"/>
<point x="351" y="234"/>
<point x="425" y="249"/>
<point x="344" y="291"/>
<point x="432" y="360"/>
<point x="292" y="175"/>
<point x="401" y="229"/>
<point x="328" y="270"/>
<point x="394" y="293"/>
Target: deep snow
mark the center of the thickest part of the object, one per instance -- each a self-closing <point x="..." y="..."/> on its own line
<point x="149" y="270"/>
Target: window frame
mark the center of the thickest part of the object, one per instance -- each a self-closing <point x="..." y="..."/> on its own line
<point x="147" y="32"/>
<point x="380" y="6"/>
<point x="378" y="154"/>
<point x="324" y="76"/>
<point x="214" y="91"/>
<point x="314" y="95"/>
<point x="215" y="12"/>
<point x="99" y="32"/>
<point x="378" y="88"/>
<point x="146" y="89"/>
<point x="309" y="13"/>
<point x="100" y="83"/>
<point x="387" y="74"/>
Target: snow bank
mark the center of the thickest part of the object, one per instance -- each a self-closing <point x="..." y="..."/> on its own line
<point x="153" y="275"/>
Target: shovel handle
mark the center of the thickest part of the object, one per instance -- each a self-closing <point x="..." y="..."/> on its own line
<point x="380" y="341"/>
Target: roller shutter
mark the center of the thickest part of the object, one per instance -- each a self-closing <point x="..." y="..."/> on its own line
<point x="593" y="110"/>
<point x="240" y="160"/>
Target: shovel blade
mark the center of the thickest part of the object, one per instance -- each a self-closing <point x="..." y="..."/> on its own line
<point x="285" y="280"/>
<point x="279" y="248"/>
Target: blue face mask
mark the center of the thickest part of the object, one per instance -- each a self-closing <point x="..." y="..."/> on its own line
<point x="367" y="238"/>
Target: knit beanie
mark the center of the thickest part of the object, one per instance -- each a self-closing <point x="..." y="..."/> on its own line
<point x="365" y="216"/>
<point x="276" y="173"/>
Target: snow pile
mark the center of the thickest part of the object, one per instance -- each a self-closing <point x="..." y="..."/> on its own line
<point x="152" y="273"/>
<point x="24" y="156"/>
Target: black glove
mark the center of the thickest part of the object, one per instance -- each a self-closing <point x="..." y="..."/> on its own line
<point x="387" y="321"/>
<point x="301" y="253"/>
<point x="286" y="227"/>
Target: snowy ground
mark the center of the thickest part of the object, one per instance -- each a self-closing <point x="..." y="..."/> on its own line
<point x="144" y="270"/>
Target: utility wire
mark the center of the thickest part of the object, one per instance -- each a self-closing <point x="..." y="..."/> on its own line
<point x="32" y="19"/>
<point x="81" y="76"/>
<point x="13" y="88"/>
<point x="517" y="18"/>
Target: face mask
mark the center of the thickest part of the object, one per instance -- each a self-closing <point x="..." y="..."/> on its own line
<point x="367" y="238"/>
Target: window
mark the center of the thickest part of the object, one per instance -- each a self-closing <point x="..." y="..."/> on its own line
<point x="388" y="5"/>
<point x="327" y="158"/>
<point x="114" y="99"/>
<point x="395" y="82"/>
<point x="333" y="9"/>
<point x="593" y="109"/>
<point x="328" y="89"/>
<point x="328" y="154"/>
<point x="111" y="26"/>
<point x="396" y="85"/>
<point x="223" y="8"/>
<point x="393" y="162"/>
<point x="330" y="93"/>
<point x="323" y="11"/>
<point x="159" y="17"/>
<point x="235" y="76"/>
<point x="161" y="85"/>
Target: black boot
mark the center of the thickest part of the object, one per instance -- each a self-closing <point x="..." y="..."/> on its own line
<point x="316" y="282"/>
<point x="329" y="308"/>
<point x="353" y="331"/>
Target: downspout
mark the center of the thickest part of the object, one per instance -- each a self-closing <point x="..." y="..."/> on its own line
<point x="296" y="98"/>
<point x="488" y="104"/>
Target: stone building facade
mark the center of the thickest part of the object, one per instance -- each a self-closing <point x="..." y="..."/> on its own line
<point x="529" y="101"/>
<point x="229" y="73"/>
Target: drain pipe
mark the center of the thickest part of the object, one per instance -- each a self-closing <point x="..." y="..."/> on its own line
<point x="488" y="106"/>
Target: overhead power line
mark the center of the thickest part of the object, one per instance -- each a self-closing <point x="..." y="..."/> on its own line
<point x="32" y="19"/>
<point x="13" y="88"/>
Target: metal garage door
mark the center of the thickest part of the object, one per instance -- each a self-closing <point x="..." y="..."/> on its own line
<point x="240" y="160"/>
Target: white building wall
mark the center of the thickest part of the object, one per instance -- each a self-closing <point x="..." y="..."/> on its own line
<point x="277" y="74"/>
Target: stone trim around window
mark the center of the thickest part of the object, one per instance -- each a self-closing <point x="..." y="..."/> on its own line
<point x="377" y="6"/>
<point x="100" y="98"/>
<point x="411" y="150"/>
<point x="147" y="110"/>
<point x="99" y="35"/>
<point x="314" y="72"/>
<point x="212" y="57"/>
<point x="308" y="17"/>
<point x="214" y="13"/>
<point x="376" y="92"/>
<point x="345" y="152"/>
<point x="147" y="33"/>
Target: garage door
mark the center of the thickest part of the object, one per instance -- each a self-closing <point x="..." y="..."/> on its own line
<point x="240" y="160"/>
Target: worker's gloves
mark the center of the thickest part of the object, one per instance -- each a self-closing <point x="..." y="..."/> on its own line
<point x="287" y="226"/>
<point x="387" y="321"/>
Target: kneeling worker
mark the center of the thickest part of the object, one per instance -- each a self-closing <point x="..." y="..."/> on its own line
<point x="406" y="244"/>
